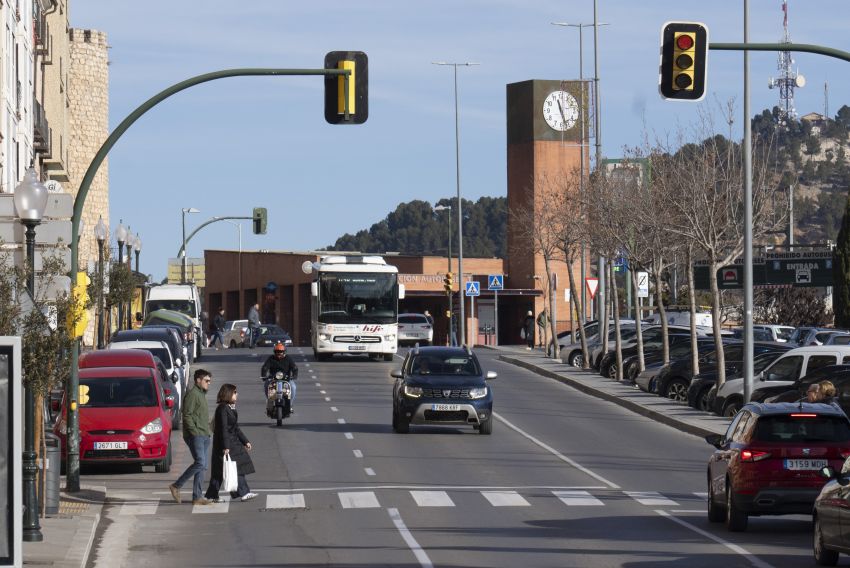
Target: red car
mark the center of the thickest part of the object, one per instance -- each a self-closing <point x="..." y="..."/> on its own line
<point x="769" y="460"/>
<point x="124" y="418"/>
<point x="137" y="358"/>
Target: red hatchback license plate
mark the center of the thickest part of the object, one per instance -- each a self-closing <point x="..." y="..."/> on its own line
<point x="805" y="464"/>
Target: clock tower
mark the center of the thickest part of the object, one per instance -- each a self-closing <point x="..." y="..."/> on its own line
<point x="547" y="131"/>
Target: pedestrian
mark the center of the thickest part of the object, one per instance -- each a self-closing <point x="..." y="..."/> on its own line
<point x="813" y="393"/>
<point x="827" y="392"/>
<point x="254" y="324"/>
<point x="542" y="322"/>
<point x="218" y="329"/>
<point x="429" y="317"/>
<point x="196" y="434"/>
<point x="528" y="330"/>
<point x="228" y="439"/>
<point x="204" y="321"/>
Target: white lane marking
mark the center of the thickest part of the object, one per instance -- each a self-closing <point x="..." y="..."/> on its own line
<point x="334" y="409"/>
<point x="308" y="364"/>
<point x="326" y="392"/>
<point x="340" y="420"/>
<point x="359" y="500"/>
<point x="555" y="452"/>
<point x="213" y="507"/>
<point x="505" y="499"/>
<point x="702" y="495"/>
<point x="139" y="508"/>
<point x="753" y="559"/>
<point x="688" y="511"/>
<point x="291" y="501"/>
<point x="327" y="399"/>
<point x="369" y="471"/>
<point x="578" y="498"/>
<point x="320" y="384"/>
<point x="349" y="435"/>
<point x="432" y="498"/>
<point x="652" y="498"/>
<point x="405" y="533"/>
<point x="475" y="488"/>
<point x="357" y="453"/>
<point x="399" y="356"/>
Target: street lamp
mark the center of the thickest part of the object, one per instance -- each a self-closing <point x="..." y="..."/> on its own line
<point x="30" y="202"/>
<point x="131" y="242"/>
<point x="238" y="226"/>
<point x="100" y="233"/>
<point x="449" y="225"/>
<point x="462" y="326"/>
<point x="137" y="248"/>
<point x="183" y="259"/>
<point x="120" y="236"/>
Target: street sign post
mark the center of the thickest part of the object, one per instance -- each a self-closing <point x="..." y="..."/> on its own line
<point x="496" y="282"/>
<point x="473" y="288"/>
<point x="643" y="284"/>
<point x="592" y="286"/>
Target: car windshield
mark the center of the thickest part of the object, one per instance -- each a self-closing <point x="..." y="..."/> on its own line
<point x="271" y="330"/>
<point x="183" y="306"/>
<point x="784" y="332"/>
<point x="808" y="428"/>
<point x="117" y="392"/>
<point x="358" y="298"/>
<point x="436" y="364"/>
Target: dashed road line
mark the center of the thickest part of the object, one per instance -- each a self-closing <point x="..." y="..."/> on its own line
<point x="369" y="471"/>
<point x="357" y="453"/>
<point x="349" y="435"/>
<point x="340" y="420"/>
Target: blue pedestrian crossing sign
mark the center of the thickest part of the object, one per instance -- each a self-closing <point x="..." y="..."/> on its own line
<point x="496" y="282"/>
<point x="473" y="288"/>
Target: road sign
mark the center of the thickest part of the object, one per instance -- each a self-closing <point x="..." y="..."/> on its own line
<point x="496" y="282"/>
<point x="797" y="268"/>
<point x="592" y="285"/>
<point x="473" y="288"/>
<point x="643" y="285"/>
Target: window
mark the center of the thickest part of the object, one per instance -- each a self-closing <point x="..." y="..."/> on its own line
<point x="119" y="392"/>
<point x="785" y="369"/>
<point x="788" y="428"/>
<point x="818" y="361"/>
<point x="741" y="428"/>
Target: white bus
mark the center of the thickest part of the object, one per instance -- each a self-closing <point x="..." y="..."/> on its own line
<point x="354" y="306"/>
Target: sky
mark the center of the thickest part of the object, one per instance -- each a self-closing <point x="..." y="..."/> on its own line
<point x="227" y="146"/>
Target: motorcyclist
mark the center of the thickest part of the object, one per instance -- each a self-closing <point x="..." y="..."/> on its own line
<point x="280" y="361"/>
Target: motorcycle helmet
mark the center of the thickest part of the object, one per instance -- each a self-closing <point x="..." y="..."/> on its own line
<point x="279" y="348"/>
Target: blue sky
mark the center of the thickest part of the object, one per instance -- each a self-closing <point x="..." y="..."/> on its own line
<point x="233" y="144"/>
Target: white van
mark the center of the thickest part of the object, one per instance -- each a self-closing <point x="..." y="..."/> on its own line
<point x="183" y="298"/>
<point x="792" y="365"/>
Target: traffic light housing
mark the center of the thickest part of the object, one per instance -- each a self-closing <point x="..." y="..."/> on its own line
<point x="77" y="319"/>
<point x="684" y="58"/>
<point x="261" y="217"/>
<point x="83" y="394"/>
<point x="358" y="88"/>
<point x="448" y="282"/>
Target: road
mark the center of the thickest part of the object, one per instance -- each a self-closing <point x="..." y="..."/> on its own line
<point x="565" y="480"/>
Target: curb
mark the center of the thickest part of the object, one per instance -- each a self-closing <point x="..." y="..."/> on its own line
<point x="81" y="546"/>
<point x="628" y="404"/>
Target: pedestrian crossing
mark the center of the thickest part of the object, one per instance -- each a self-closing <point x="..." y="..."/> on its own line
<point x="571" y="498"/>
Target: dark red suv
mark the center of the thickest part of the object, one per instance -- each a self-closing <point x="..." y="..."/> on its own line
<point x="769" y="460"/>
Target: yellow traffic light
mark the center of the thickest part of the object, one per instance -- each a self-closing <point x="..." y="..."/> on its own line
<point x="684" y="53"/>
<point x="84" y="394"/>
<point x="448" y="282"/>
<point x="357" y="64"/>
<point x="77" y="319"/>
<point x="684" y="50"/>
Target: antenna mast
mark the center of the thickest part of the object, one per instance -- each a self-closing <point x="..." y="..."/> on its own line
<point x="789" y="78"/>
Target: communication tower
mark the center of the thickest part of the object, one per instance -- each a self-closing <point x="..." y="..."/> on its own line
<point x="789" y="78"/>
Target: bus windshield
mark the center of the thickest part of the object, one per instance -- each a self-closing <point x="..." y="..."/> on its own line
<point x="358" y="298"/>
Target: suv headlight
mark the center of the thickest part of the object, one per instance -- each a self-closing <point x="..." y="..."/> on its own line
<point x="413" y="392"/>
<point x="153" y="427"/>
<point x="478" y="392"/>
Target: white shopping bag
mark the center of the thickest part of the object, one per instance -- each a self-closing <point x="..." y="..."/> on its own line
<point x="230" y="482"/>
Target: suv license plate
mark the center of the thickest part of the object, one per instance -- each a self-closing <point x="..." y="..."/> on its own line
<point x="804" y="464"/>
<point x="357" y="348"/>
<point x="110" y="445"/>
<point x="445" y="407"/>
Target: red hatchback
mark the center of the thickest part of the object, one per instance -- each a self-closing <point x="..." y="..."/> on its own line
<point x="124" y="418"/>
<point x="769" y="460"/>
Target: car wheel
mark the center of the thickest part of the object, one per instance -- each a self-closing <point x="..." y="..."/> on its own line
<point x="823" y="556"/>
<point x="576" y="359"/>
<point x="677" y="390"/>
<point x="736" y="519"/>
<point x="612" y="372"/>
<point x="165" y="465"/>
<point x="400" y="425"/>
<point x="702" y="401"/>
<point x="486" y="427"/>
<point x="716" y="514"/>
<point x="731" y="408"/>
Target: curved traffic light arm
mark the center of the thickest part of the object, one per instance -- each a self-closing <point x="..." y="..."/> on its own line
<point x="204" y="224"/>
<point x="804" y="47"/>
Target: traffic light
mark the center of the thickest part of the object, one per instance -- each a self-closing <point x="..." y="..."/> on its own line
<point x="448" y="282"/>
<point x="77" y="319"/>
<point x="84" y="394"/>
<point x="261" y="217"/>
<point x="684" y="55"/>
<point x="358" y="88"/>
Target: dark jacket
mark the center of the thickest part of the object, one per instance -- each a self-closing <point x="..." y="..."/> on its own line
<point x="228" y="436"/>
<point x="196" y="417"/>
<point x="529" y="326"/>
<point x="285" y="364"/>
<point x="253" y="318"/>
<point x="218" y="322"/>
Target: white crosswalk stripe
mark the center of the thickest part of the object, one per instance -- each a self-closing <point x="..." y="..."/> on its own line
<point x="359" y="500"/>
<point x="702" y="495"/>
<point x="505" y="499"/>
<point x="578" y="498"/>
<point x="290" y="501"/>
<point x="652" y="498"/>
<point x="134" y="508"/>
<point x="213" y="508"/>
<point x="432" y="498"/>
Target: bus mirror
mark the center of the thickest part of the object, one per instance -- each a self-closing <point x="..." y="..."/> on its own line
<point x="401" y="291"/>
<point x="314" y="289"/>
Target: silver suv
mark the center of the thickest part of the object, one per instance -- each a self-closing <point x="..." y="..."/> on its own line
<point x="415" y="328"/>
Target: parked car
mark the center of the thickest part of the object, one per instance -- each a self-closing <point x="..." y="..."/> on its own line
<point x="182" y="298"/>
<point x="789" y="367"/>
<point x="672" y="380"/>
<point x="235" y="332"/>
<point x="702" y="389"/>
<point x="160" y="350"/>
<point x="183" y="322"/>
<point x="415" y="328"/>
<point x="171" y="386"/>
<point x="769" y="460"/>
<point x="170" y="335"/>
<point x="571" y="353"/>
<point x="177" y="332"/>
<point x="805" y="336"/>
<point x="838" y="338"/>
<point x="778" y="333"/>
<point x="272" y="335"/>
<point x="442" y="385"/>
<point x="838" y="375"/>
<point x="830" y="516"/>
<point x="124" y="418"/>
<point x="652" y="337"/>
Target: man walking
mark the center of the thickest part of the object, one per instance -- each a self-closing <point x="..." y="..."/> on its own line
<point x="196" y="434"/>
<point x="254" y="324"/>
<point x="218" y="329"/>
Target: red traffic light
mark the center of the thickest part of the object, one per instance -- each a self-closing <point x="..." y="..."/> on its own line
<point x="684" y="42"/>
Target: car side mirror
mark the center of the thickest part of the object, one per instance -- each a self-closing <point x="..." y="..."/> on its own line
<point x="491" y="375"/>
<point x="715" y="440"/>
<point x="169" y="403"/>
<point x="174" y="378"/>
<point x="396" y="374"/>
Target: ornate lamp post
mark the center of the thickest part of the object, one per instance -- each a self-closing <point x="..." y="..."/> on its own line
<point x="120" y="236"/>
<point x="183" y="259"/>
<point x="137" y="248"/>
<point x="100" y="233"/>
<point x="30" y="203"/>
<point x="131" y="240"/>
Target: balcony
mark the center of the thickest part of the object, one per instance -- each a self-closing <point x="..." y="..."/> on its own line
<point x="41" y="31"/>
<point x="41" y="129"/>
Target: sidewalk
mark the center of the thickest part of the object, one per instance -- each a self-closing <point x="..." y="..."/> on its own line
<point x="677" y="415"/>
<point x="68" y="536"/>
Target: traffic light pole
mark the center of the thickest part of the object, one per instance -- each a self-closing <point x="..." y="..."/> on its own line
<point x="201" y="226"/>
<point x="72" y="483"/>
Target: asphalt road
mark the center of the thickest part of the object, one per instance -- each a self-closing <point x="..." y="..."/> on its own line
<point x="565" y="480"/>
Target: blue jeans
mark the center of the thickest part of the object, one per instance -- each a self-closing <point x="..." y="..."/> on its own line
<point x="254" y="335"/>
<point x="199" y="446"/>
<point x="216" y="336"/>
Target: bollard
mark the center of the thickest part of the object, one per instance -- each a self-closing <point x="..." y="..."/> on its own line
<point x="51" y="465"/>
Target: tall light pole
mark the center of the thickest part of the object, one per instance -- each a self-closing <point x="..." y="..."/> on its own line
<point x="120" y="236"/>
<point x="30" y="202"/>
<point x="131" y="240"/>
<point x="183" y="258"/>
<point x="449" y="225"/>
<point x="597" y="122"/>
<point x="100" y="233"/>
<point x="580" y="26"/>
<point x="238" y="226"/>
<point x="461" y="284"/>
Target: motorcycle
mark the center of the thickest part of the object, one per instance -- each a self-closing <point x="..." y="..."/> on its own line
<point x="279" y="391"/>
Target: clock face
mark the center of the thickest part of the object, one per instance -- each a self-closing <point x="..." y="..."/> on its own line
<point x="560" y="109"/>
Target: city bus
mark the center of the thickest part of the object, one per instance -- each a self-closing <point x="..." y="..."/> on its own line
<point x="354" y="306"/>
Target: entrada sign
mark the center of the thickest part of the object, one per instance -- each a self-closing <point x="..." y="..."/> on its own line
<point x="810" y="268"/>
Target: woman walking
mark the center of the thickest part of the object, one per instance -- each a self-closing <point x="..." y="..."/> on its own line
<point x="228" y="439"/>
